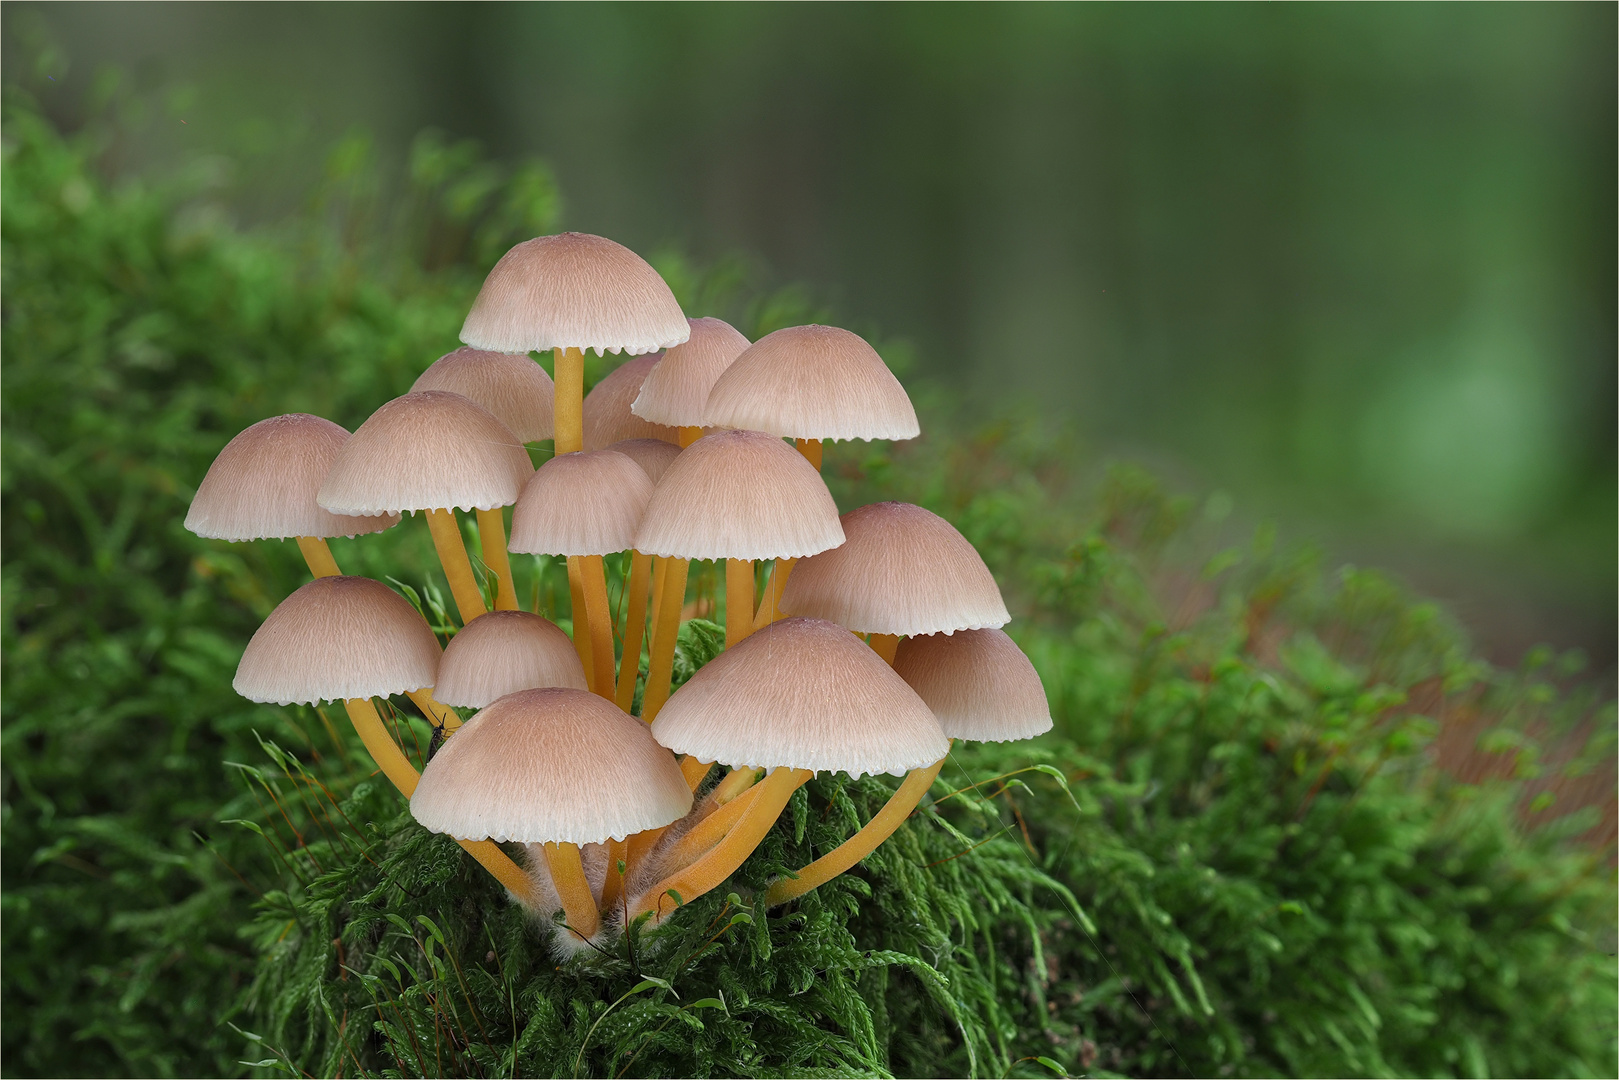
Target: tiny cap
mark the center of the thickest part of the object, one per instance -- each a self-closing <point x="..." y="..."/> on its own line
<point x="803" y="693"/>
<point x="263" y="484"/>
<point x="338" y="638"/>
<point x="812" y="382"/>
<point x="503" y="652"/>
<point x="739" y="495"/>
<point x="574" y="291"/>
<point x="429" y="450"/>
<point x="607" y="416"/>
<point x="653" y="455"/>
<point x="904" y="570"/>
<point x="510" y="385"/>
<point x="581" y="504"/>
<point x="676" y="390"/>
<point x="978" y="683"/>
<point x="550" y="765"/>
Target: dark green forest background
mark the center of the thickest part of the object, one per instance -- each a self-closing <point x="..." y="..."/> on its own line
<point x="1295" y="818"/>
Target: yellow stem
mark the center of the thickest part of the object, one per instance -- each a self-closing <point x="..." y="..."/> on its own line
<point x="568" y="875"/>
<point x="862" y="843"/>
<point x="634" y="628"/>
<point x="770" y="607"/>
<point x="811" y="449"/>
<point x="734" y="784"/>
<point x="569" y="402"/>
<point x="613" y="886"/>
<point x="720" y="863"/>
<point x="689" y="435"/>
<point x="694" y="771"/>
<point x="600" y="622"/>
<point x="640" y="844"/>
<point x="318" y="556"/>
<point x="492" y="535"/>
<point x="581" y="619"/>
<point x="738" y="600"/>
<point x="397" y="767"/>
<point x="662" y="666"/>
<point x="436" y="712"/>
<point x="452" y="555"/>
<point x="884" y="645"/>
<point x="708" y="832"/>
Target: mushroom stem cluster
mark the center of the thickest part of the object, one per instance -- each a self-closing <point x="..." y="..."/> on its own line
<point x="705" y="447"/>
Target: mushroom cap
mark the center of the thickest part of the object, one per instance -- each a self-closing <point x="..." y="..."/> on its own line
<point x="503" y="652"/>
<point x="263" y="484"/>
<point x="676" y="389"/>
<point x="581" y="504"/>
<point x="739" y="495"/>
<point x="577" y="291"/>
<point x="904" y="570"/>
<point x="550" y="765"/>
<point x="338" y="638"/>
<point x="510" y="385"/>
<point x="802" y="693"/>
<point x="428" y="450"/>
<point x="812" y="382"/>
<point x="607" y="416"/>
<point x="978" y="683"/>
<point x="653" y="455"/>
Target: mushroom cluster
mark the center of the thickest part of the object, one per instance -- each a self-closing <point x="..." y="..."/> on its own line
<point x="875" y="644"/>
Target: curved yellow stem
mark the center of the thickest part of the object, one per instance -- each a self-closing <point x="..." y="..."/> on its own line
<point x="599" y="623"/>
<point x="397" y="767"/>
<point x="568" y="875"/>
<point x="492" y="536"/>
<point x="885" y="645"/>
<point x="694" y="771"/>
<point x="738" y="600"/>
<point x="629" y="667"/>
<point x="452" y="555"/>
<point x="568" y="404"/>
<point x="581" y="619"/>
<point x="661" y="668"/>
<point x="435" y="711"/>
<point x="770" y="607"/>
<point x="862" y="843"/>
<point x="720" y="863"/>
<point x="738" y="781"/>
<point x="318" y="556"/>
<point x="710" y="831"/>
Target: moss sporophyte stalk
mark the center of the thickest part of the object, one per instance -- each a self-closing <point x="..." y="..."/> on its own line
<point x="605" y="807"/>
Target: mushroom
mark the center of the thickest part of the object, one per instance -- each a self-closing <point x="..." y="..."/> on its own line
<point x="978" y="683"/>
<point x="526" y="769"/>
<point x="437" y="452"/>
<point x="262" y="487"/>
<point x="351" y="639"/>
<point x="502" y="653"/>
<point x="654" y="456"/>
<point x="675" y="391"/>
<point x="607" y="416"/>
<point x="584" y="506"/>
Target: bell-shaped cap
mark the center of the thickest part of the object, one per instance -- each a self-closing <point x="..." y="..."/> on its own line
<point x="676" y="389"/>
<point x="653" y="455"/>
<point x="978" y="683"/>
<point x="581" y="504"/>
<point x="550" y="765"/>
<point x="262" y="485"/>
<point x="510" y="385"/>
<point x="607" y="416"/>
<point x="806" y="694"/>
<point x="503" y="652"/>
<point x="812" y="382"/>
<point x="574" y="291"/>
<point x="338" y="638"/>
<point x="739" y="495"/>
<point x="904" y="570"/>
<point x="429" y="450"/>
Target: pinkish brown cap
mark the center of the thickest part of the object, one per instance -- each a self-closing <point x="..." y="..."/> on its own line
<point x="607" y="416"/>
<point x="581" y="504"/>
<point x="812" y="382"/>
<point x="550" y="765"/>
<point x="676" y="390"/>
<point x="653" y="455"/>
<point x="904" y="570"/>
<point x="503" y="652"/>
<point x="978" y="683"/>
<point x="510" y="385"/>
<point x="805" y="694"/>
<point x="574" y="291"/>
<point x="263" y="484"/>
<point x="739" y="495"/>
<point x="429" y="450"/>
<point x="338" y="638"/>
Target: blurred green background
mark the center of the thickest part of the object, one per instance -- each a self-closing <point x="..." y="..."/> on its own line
<point x="1353" y="266"/>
